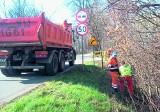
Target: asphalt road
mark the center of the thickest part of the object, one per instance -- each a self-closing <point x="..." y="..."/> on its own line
<point x="12" y="87"/>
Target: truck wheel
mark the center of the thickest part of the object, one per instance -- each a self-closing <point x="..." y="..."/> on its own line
<point x="71" y="63"/>
<point x="8" y="72"/>
<point x="61" y="63"/>
<point x="52" y="68"/>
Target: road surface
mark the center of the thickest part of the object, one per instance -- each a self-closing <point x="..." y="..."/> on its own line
<point x="12" y="87"/>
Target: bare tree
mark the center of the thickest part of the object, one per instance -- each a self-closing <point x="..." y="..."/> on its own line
<point x="19" y="8"/>
<point x="135" y="39"/>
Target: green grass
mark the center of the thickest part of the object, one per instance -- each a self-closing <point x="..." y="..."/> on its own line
<point x="76" y="91"/>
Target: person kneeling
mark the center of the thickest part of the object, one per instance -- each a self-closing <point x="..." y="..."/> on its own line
<point x="125" y="75"/>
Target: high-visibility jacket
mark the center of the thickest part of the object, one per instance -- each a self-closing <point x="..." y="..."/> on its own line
<point x="113" y="64"/>
<point x="125" y="70"/>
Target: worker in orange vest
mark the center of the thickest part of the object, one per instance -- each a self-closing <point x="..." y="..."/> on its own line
<point x="65" y="25"/>
<point x="113" y="66"/>
<point x="109" y="53"/>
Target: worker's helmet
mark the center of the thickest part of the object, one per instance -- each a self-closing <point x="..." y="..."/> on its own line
<point x="109" y="50"/>
<point x="114" y="53"/>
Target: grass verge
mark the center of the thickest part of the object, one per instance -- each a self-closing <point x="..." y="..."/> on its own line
<point x="78" y="90"/>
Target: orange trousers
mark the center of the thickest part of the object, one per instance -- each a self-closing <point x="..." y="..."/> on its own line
<point x="114" y="76"/>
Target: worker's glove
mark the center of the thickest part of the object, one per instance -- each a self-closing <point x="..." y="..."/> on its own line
<point x="110" y="66"/>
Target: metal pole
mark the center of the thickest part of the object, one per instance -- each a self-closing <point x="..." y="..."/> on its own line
<point x="82" y="54"/>
<point x="93" y="56"/>
<point x="101" y="56"/>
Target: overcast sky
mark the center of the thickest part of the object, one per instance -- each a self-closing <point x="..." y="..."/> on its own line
<point x="55" y="9"/>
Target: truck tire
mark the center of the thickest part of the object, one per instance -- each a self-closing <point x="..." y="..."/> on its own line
<point x="8" y="72"/>
<point x="71" y="63"/>
<point x="61" y="64"/>
<point x="52" y="68"/>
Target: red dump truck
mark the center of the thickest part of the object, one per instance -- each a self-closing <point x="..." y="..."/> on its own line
<point x="34" y="43"/>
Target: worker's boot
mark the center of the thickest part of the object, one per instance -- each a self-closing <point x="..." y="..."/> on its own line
<point x="115" y="87"/>
<point x="114" y="90"/>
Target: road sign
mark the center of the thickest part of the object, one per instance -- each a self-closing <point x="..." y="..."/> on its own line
<point x="82" y="29"/>
<point x="93" y="42"/>
<point x="82" y="16"/>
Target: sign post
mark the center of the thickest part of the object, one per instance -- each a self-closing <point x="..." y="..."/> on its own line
<point x="82" y="27"/>
<point x="93" y="55"/>
<point x="93" y="42"/>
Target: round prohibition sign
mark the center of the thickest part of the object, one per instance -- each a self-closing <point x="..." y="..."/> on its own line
<point x="82" y="29"/>
<point x="82" y="16"/>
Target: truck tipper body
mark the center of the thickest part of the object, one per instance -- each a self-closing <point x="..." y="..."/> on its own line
<point x="34" y="43"/>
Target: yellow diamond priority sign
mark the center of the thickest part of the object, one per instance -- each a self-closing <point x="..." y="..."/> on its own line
<point x="93" y="41"/>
